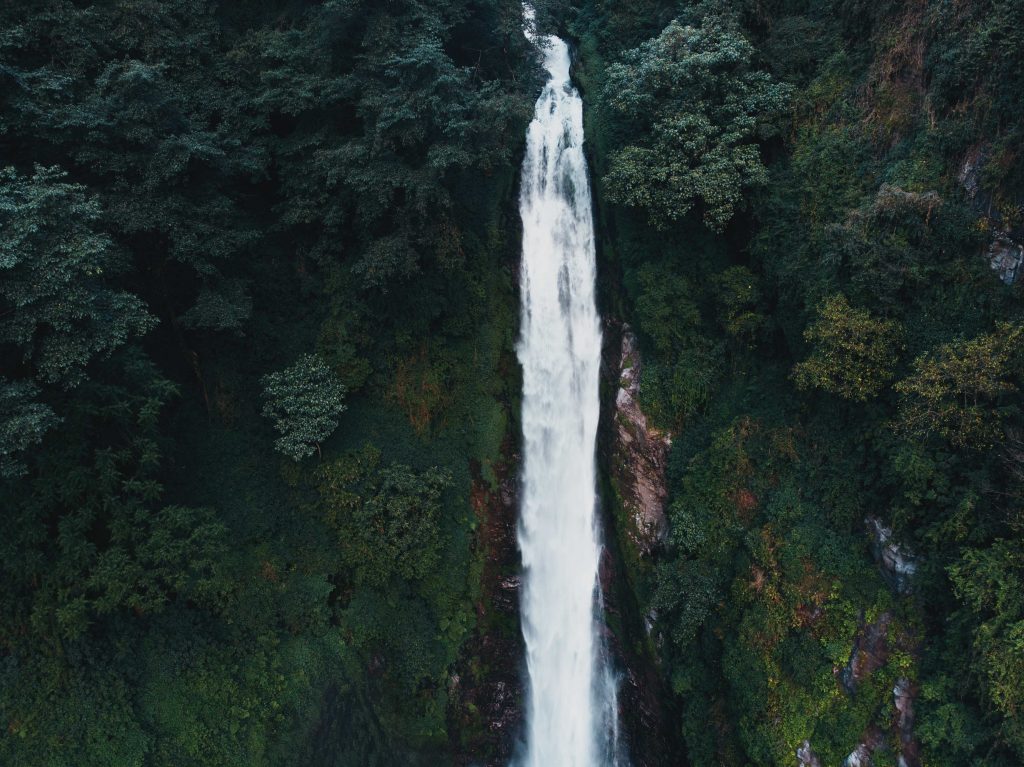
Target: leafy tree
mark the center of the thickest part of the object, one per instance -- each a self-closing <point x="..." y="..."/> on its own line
<point x="304" y="402"/>
<point x="665" y="307"/>
<point x="679" y="381"/>
<point x="220" y="307"/>
<point x="253" y="170"/>
<point x="693" y="106"/>
<point x="23" y="422"/>
<point x="990" y="581"/>
<point x="853" y="354"/>
<point x="386" y="517"/>
<point x="57" y="305"/>
<point x="116" y="546"/>
<point x="895" y="243"/>
<point x="958" y="391"/>
<point x="738" y="294"/>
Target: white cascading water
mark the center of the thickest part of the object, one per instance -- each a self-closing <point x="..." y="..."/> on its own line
<point x="572" y="710"/>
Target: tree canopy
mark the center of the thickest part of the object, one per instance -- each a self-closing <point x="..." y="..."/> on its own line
<point x="693" y="106"/>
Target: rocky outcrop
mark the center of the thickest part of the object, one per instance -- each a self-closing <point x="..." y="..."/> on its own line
<point x="896" y="562"/>
<point x="805" y="756"/>
<point x="969" y="175"/>
<point x="631" y="456"/>
<point x="873" y="644"/>
<point x="903" y="694"/>
<point x="486" y="689"/>
<point x="639" y="454"/>
<point x="1005" y="256"/>
<point x="1005" y="252"/>
<point x="870" y="652"/>
<point x="873" y="740"/>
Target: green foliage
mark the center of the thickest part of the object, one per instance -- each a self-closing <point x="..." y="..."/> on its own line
<point x="386" y="519"/>
<point x="854" y="355"/>
<point x="665" y="307"/>
<point x="673" y="389"/>
<point x="116" y="547"/>
<point x="262" y="181"/>
<point x="958" y="392"/>
<point x="990" y="582"/>
<point x="695" y="106"/>
<point x="895" y="243"/>
<point x="23" y="422"/>
<point x="738" y="295"/>
<point x="58" y="307"/>
<point x="304" y="402"/>
<point x="863" y="244"/>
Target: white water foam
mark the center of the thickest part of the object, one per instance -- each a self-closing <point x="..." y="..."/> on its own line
<point x="572" y="707"/>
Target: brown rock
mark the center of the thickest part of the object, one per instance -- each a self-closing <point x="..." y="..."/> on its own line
<point x="639" y="454"/>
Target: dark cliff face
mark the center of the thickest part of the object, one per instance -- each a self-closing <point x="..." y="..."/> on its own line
<point x="489" y="683"/>
<point x="638" y="454"/>
<point x="631" y="465"/>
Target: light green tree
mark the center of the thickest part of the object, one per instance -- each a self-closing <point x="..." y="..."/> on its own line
<point x="958" y="391"/>
<point x="853" y="354"/>
<point x="304" y="402"/>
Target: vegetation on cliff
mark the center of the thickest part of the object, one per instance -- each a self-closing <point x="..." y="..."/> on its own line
<point x="256" y="321"/>
<point x="207" y="210"/>
<point x="840" y="369"/>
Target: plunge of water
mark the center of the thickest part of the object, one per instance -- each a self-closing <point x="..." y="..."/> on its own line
<point x="572" y="708"/>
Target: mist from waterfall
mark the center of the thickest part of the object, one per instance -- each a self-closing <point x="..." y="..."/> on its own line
<point x="572" y="708"/>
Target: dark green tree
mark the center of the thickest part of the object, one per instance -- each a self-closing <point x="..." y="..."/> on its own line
<point x="58" y="307"/>
<point x="23" y="422"/>
<point x="693" y="106"/>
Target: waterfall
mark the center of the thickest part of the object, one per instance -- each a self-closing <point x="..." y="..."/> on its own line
<point x="571" y="710"/>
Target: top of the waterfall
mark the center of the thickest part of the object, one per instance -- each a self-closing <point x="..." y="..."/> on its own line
<point x="556" y="52"/>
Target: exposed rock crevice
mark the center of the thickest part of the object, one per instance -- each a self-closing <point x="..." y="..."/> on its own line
<point x="638" y="455"/>
<point x="487" y="688"/>
<point x="1005" y="251"/>
<point x="632" y="457"/>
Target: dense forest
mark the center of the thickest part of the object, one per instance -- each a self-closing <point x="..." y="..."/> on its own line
<point x="259" y="395"/>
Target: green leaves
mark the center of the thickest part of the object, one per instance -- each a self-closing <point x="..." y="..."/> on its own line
<point x="990" y="581"/>
<point x="57" y="306"/>
<point x="959" y="391"/>
<point x="386" y="517"/>
<point x="304" y="402"/>
<point x="854" y="354"/>
<point x="242" y="171"/>
<point x="23" y="422"/>
<point x="693" y="108"/>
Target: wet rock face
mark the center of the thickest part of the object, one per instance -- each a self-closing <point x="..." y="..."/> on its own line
<point x="896" y="562"/>
<point x="486" y="688"/>
<point x="903" y="694"/>
<point x="1005" y="251"/>
<point x="970" y="171"/>
<point x="870" y="652"/>
<point x="873" y="644"/>
<point x="872" y="741"/>
<point x="1005" y="256"/>
<point x="805" y="756"/>
<point x="638" y="459"/>
<point x="632" y="457"/>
